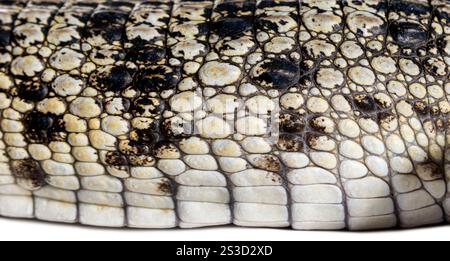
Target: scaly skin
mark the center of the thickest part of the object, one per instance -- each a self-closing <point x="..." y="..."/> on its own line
<point x="312" y="114"/>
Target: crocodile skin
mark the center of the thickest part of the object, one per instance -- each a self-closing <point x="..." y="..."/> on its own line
<point x="308" y="114"/>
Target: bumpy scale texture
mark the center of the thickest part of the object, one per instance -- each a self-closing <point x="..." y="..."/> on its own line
<point x="160" y="114"/>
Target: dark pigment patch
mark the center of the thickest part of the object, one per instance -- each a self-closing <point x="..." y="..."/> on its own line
<point x="436" y="68"/>
<point x="102" y="54"/>
<point x="421" y="108"/>
<point x="271" y="3"/>
<point x="146" y="54"/>
<point x="115" y="158"/>
<point x="290" y="143"/>
<point x="157" y="78"/>
<point x="277" y="73"/>
<point x="28" y="169"/>
<point x="409" y="7"/>
<point x="106" y="19"/>
<point x="5" y="37"/>
<point x="407" y="34"/>
<point x="43" y="128"/>
<point x="317" y="123"/>
<point x="114" y="79"/>
<point x="386" y="117"/>
<point x="232" y="26"/>
<point x="164" y="147"/>
<point x="165" y="186"/>
<point x="142" y="142"/>
<point x="32" y="91"/>
<point x="364" y="102"/>
<point x="268" y="162"/>
<point x="291" y="122"/>
<point x="175" y="128"/>
<point x="147" y="107"/>
<point x="109" y="35"/>
<point x="232" y="8"/>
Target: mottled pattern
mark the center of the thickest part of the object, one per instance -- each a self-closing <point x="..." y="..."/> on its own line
<point x="309" y="114"/>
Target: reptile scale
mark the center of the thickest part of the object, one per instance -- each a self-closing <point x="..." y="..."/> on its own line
<point x="308" y="114"/>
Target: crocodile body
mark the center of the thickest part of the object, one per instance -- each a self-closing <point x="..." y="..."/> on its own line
<point x="309" y="114"/>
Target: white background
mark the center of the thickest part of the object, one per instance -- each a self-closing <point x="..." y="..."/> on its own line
<point x="36" y="230"/>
